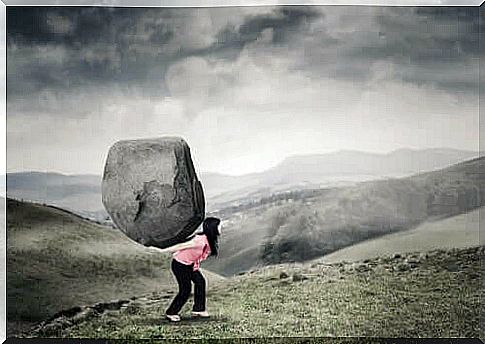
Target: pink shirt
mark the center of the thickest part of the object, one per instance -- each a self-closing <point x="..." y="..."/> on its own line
<point x="195" y="254"/>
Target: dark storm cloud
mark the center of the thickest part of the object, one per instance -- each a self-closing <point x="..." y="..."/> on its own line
<point x="283" y="22"/>
<point x="441" y="48"/>
<point x="54" y="48"/>
<point x="435" y="46"/>
<point x="96" y="46"/>
<point x="122" y="47"/>
<point x="432" y="34"/>
<point x="76" y="26"/>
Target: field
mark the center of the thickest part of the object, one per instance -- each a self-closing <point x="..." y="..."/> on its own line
<point x="434" y="294"/>
<point x="57" y="260"/>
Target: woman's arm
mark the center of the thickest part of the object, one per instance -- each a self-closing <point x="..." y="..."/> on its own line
<point x="180" y="246"/>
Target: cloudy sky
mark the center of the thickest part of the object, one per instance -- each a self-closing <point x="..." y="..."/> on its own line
<point x="245" y="86"/>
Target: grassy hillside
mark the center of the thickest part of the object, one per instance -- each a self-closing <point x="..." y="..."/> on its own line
<point x="433" y="294"/>
<point x="56" y="260"/>
<point x="454" y="232"/>
<point x="309" y="224"/>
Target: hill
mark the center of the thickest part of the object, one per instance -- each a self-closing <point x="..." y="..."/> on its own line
<point x="453" y="232"/>
<point x="82" y="193"/>
<point x="432" y="294"/>
<point x="310" y="224"/>
<point x="57" y="260"/>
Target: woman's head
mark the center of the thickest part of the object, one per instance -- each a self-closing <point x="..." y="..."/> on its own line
<point x="211" y="230"/>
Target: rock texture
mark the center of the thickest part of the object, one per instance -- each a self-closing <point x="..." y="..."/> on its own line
<point x="151" y="191"/>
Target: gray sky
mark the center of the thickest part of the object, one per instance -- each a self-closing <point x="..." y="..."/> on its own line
<point x="245" y="86"/>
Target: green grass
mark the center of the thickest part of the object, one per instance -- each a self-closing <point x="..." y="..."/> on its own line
<point x="438" y="297"/>
<point x="56" y="260"/>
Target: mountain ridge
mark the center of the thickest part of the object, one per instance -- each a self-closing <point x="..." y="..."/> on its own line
<point x="82" y="193"/>
<point x="290" y="157"/>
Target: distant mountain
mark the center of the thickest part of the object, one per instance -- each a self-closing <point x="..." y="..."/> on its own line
<point x="338" y="168"/>
<point x="78" y="193"/>
<point x="53" y="185"/>
<point x="349" y="163"/>
<point x="82" y="193"/>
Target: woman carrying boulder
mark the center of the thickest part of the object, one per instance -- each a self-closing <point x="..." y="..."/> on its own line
<point x="185" y="266"/>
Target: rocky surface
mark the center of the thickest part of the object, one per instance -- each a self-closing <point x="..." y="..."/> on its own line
<point x="151" y="190"/>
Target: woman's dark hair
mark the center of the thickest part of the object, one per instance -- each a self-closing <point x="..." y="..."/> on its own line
<point x="210" y="230"/>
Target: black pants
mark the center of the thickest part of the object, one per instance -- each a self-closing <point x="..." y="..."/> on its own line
<point x="184" y="275"/>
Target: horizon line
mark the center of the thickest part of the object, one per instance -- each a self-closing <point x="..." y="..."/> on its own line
<point x="282" y="160"/>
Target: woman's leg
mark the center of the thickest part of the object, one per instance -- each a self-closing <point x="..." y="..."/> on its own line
<point x="199" y="291"/>
<point x="182" y="274"/>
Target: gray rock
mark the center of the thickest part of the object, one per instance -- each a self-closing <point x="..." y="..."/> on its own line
<point x="401" y="267"/>
<point x="362" y="267"/>
<point x="151" y="191"/>
<point x="412" y="260"/>
<point x="283" y="275"/>
<point x="452" y="267"/>
<point x="299" y="277"/>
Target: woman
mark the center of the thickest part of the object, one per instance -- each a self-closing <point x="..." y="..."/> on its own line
<point x="185" y="266"/>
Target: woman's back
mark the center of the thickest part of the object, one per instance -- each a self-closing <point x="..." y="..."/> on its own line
<point x="195" y="254"/>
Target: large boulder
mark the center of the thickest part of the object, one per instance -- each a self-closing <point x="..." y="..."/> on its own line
<point x="151" y="191"/>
